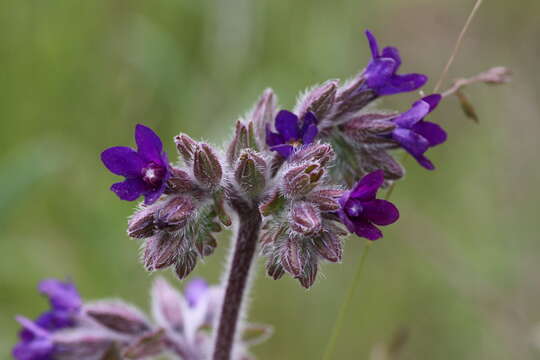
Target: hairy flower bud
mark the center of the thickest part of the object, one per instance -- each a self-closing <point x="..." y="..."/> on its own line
<point x="168" y="305"/>
<point x="175" y="213"/>
<point x="205" y="244"/>
<point x="141" y="224"/>
<point x="328" y="245"/>
<point x="219" y="207"/>
<point x="83" y="344"/>
<point x="186" y="147"/>
<point x="318" y="100"/>
<point x="262" y="116"/>
<point x="307" y="279"/>
<point x="367" y="128"/>
<point x="274" y="269"/>
<point x="207" y="167"/>
<point x="300" y="180"/>
<point x="320" y="153"/>
<point x="326" y="199"/>
<point x="292" y="260"/>
<point x="273" y="203"/>
<point x="181" y="182"/>
<point x="251" y="172"/>
<point x="117" y="316"/>
<point x="185" y="264"/>
<point x="161" y="251"/>
<point x="305" y="218"/>
<point x="146" y="345"/>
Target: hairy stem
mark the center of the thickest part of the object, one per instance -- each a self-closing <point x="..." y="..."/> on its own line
<point x="242" y="259"/>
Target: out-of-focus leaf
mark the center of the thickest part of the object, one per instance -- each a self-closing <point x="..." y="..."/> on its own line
<point x="467" y="106"/>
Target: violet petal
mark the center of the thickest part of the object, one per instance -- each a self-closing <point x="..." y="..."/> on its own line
<point x="62" y="295"/>
<point x="432" y="132"/>
<point x="380" y="212"/>
<point x="122" y="160"/>
<point x="366" y="229"/>
<point x="195" y="290"/>
<point x="287" y="125"/>
<point x="131" y="189"/>
<point x="148" y="143"/>
<point x="284" y="150"/>
<point x="367" y="187"/>
<point x="273" y="139"/>
<point x="414" y="143"/>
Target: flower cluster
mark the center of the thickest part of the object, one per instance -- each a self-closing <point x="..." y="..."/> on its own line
<point x="112" y="329"/>
<point x="294" y="166"/>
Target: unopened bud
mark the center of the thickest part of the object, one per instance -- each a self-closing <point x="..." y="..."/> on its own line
<point x="206" y="167"/>
<point x="84" y="344"/>
<point x="263" y="115"/>
<point x="185" y="264"/>
<point x="309" y="275"/>
<point x="274" y="269"/>
<point x="326" y="199"/>
<point x="320" y="153"/>
<point x="117" y="316"/>
<point x="250" y="173"/>
<point x="161" y="251"/>
<point x="181" y="182"/>
<point x="300" y="180"/>
<point x="305" y="218"/>
<point x="186" y="147"/>
<point x="219" y="207"/>
<point x="376" y="159"/>
<point x="319" y="100"/>
<point x="328" y="245"/>
<point x="238" y="143"/>
<point x="292" y="257"/>
<point x="168" y="305"/>
<point x="367" y="128"/>
<point x="497" y="75"/>
<point x="141" y="224"/>
<point x="175" y="213"/>
<point x="205" y="244"/>
<point x="147" y="345"/>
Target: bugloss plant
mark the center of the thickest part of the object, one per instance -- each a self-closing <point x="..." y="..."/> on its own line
<point x="293" y="184"/>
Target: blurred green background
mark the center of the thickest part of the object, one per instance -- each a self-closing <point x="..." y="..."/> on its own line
<point x="458" y="273"/>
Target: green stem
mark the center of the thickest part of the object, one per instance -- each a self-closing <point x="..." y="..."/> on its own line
<point x="345" y="305"/>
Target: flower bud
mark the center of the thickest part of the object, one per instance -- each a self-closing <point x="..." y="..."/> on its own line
<point x="161" y="251"/>
<point x="367" y="128"/>
<point x="300" y="180"/>
<point x="239" y="142"/>
<point x="496" y="75"/>
<point x="319" y="100"/>
<point x="272" y="204"/>
<point x="205" y="244"/>
<point x="186" y="147"/>
<point x="319" y="153"/>
<point x="117" y="316"/>
<point x="305" y="218"/>
<point x="141" y="224"/>
<point x="351" y="98"/>
<point x="309" y="275"/>
<point x="83" y="344"/>
<point x="292" y="260"/>
<point x="250" y="173"/>
<point x="274" y="269"/>
<point x="376" y="159"/>
<point x="263" y="115"/>
<point x="207" y="167"/>
<point x="185" y="264"/>
<point x="326" y="199"/>
<point x="181" y="182"/>
<point x="175" y="213"/>
<point x="168" y="305"/>
<point x="328" y="245"/>
<point x="219" y="207"/>
<point x="146" y="345"/>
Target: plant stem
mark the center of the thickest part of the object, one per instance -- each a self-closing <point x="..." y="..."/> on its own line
<point x="345" y="305"/>
<point x="239" y="268"/>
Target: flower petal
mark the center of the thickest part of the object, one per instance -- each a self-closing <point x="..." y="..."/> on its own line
<point x="402" y="83"/>
<point x="367" y="187"/>
<point x="425" y="162"/>
<point x="153" y="195"/>
<point x="379" y="72"/>
<point x="131" y="189"/>
<point x="434" y="133"/>
<point x="380" y="212"/>
<point x="433" y="100"/>
<point x="414" y="143"/>
<point x="121" y="160"/>
<point x="346" y="220"/>
<point x="310" y="134"/>
<point x="273" y="139"/>
<point x="62" y="295"/>
<point x="372" y="44"/>
<point x="195" y="290"/>
<point x="364" y="228"/>
<point x="287" y="125"/>
<point x="393" y="53"/>
<point x="148" y="143"/>
<point x="284" y="150"/>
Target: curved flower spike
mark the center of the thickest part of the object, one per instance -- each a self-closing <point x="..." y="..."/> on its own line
<point x="414" y="134"/>
<point x="146" y="170"/>
<point x="361" y="210"/>
<point x="381" y="72"/>
<point x="290" y="134"/>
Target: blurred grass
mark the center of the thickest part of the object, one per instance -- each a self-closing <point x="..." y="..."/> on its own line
<point x="459" y="270"/>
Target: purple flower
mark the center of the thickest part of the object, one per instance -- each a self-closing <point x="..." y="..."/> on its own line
<point x="361" y="211"/>
<point x="195" y="290"/>
<point x="414" y="134"/>
<point x="290" y="133"/>
<point x="146" y="170"/>
<point x="380" y="73"/>
<point x="35" y="343"/>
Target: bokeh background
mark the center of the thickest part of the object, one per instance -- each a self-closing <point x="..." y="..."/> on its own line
<point x="459" y="272"/>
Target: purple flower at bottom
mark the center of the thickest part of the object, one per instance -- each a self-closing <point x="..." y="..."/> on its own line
<point x="146" y="170"/>
<point x="195" y="290"/>
<point x="381" y="72"/>
<point x="290" y="133"/>
<point x="35" y="343"/>
<point x="361" y="210"/>
<point x="414" y="134"/>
